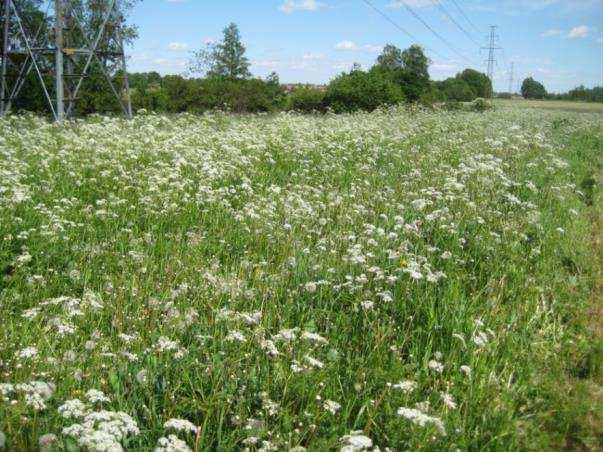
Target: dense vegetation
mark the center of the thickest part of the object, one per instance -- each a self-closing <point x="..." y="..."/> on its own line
<point x="219" y="79"/>
<point x="410" y="280"/>
<point x="531" y="89"/>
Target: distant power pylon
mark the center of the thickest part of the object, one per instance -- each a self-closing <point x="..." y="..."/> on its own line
<point x="511" y="75"/>
<point x="492" y="47"/>
<point x="62" y="46"/>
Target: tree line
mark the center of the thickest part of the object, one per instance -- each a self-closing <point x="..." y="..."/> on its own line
<point x="532" y="89"/>
<point x="226" y="83"/>
<point x="219" y="77"/>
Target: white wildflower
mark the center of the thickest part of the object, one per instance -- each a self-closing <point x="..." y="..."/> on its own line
<point x="448" y="400"/>
<point x="48" y="442"/>
<point x="166" y="344"/>
<point x="355" y="441"/>
<point x="235" y="336"/>
<point x="420" y="418"/>
<point x="436" y="366"/>
<point x="406" y="386"/>
<point x="73" y="409"/>
<point x="27" y="352"/>
<point x="310" y="287"/>
<point x="94" y="396"/>
<point x="331" y="406"/>
<point x="181" y="425"/>
<point x="171" y="444"/>
<point x="314" y="362"/>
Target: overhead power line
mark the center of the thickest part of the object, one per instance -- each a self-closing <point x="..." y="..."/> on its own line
<point x="466" y="17"/>
<point x="439" y="4"/>
<point x="395" y="24"/>
<point x="435" y="33"/>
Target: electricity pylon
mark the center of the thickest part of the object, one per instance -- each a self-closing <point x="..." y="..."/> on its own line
<point x="511" y="76"/>
<point x="62" y="47"/>
<point x="492" y="47"/>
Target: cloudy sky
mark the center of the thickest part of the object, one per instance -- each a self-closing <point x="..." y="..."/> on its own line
<point x="559" y="42"/>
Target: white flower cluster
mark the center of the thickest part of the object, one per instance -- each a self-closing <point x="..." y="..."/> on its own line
<point x="102" y="430"/>
<point x="35" y="393"/>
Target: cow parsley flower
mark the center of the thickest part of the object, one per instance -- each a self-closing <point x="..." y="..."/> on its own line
<point x="181" y="425"/>
<point x="436" y="366"/>
<point x="73" y="409"/>
<point x="448" y="400"/>
<point x="314" y="362"/>
<point x="27" y="352"/>
<point x="418" y="417"/>
<point x="355" y="441"/>
<point x="331" y="406"/>
<point x="171" y="444"/>
<point x="94" y="396"/>
<point x="406" y="386"/>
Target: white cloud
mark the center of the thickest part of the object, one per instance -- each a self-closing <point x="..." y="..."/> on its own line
<point x="578" y="32"/>
<point x="551" y="32"/>
<point x="269" y="64"/>
<point x="300" y="5"/>
<point x="343" y="65"/>
<point x="352" y="46"/>
<point x="313" y="56"/>
<point x="346" y="45"/>
<point x="177" y="46"/>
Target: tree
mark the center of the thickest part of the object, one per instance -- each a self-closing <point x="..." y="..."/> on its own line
<point x="478" y="81"/>
<point x="531" y="89"/>
<point x="457" y="89"/>
<point x="408" y="68"/>
<point x="416" y="63"/>
<point x="359" y="90"/>
<point x="225" y="58"/>
<point x="305" y="99"/>
<point x="390" y="58"/>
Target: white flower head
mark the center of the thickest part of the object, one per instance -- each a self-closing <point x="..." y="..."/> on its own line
<point x="96" y="396"/>
<point x="171" y="444"/>
<point x="331" y="406"/>
<point x="182" y="425"/>
<point x="355" y="441"/>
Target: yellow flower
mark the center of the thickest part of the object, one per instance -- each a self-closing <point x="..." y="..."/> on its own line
<point x="403" y="262"/>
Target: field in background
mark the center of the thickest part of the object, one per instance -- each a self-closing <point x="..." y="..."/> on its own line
<point x="412" y="280"/>
<point x="559" y="105"/>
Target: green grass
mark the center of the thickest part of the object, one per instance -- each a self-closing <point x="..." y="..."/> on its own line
<point x="451" y="251"/>
<point x="557" y="105"/>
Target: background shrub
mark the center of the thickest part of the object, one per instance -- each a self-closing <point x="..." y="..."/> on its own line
<point x="361" y="90"/>
<point x="306" y="100"/>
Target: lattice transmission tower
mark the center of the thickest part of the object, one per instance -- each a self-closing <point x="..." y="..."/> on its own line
<point x="511" y="77"/>
<point x="492" y="48"/>
<point x="60" y="42"/>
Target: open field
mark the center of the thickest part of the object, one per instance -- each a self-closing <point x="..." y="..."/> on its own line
<point x="559" y="105"/>
<point x="398" y="279"/>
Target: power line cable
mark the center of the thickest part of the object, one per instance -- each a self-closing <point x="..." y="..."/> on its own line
<point x="395" y="24"/>
<point x="439" y="4"/>
<point x="439" y="36"/>
<point x="466" y="17"/>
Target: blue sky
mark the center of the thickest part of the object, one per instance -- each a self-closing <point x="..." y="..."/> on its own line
<point x="559" y="42"/>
